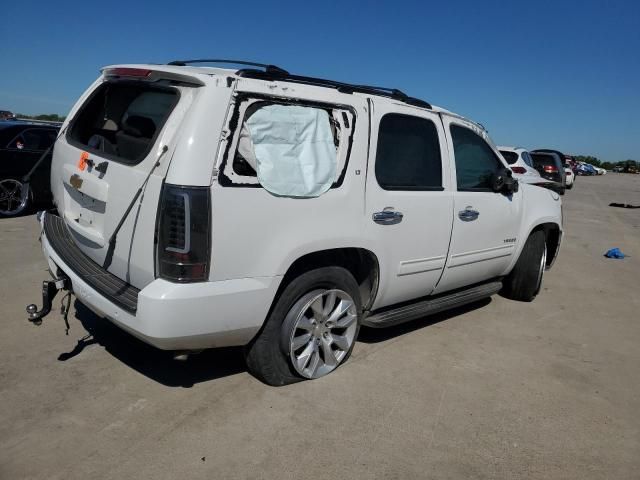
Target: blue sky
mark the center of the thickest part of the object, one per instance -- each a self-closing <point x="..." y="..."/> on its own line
<point x="562" y="74"/>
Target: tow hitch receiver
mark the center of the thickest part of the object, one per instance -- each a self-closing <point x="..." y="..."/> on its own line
<point x="49" y="290"/>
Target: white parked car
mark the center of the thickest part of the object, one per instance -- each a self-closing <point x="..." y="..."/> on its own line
<point x="570" y="177"/>
<point x="521" y="164"/>
<point x="205" y="207"/>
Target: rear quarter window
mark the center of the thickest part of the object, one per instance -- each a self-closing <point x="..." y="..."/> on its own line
<point x="122" y="120"/>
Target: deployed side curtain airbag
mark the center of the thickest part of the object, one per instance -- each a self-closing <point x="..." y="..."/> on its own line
<point x="294" y="149"/>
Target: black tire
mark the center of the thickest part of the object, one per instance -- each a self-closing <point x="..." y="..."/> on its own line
<point x="569" y="187"/>
<point x="525" y="280"/>
<point x="266" y="356"/>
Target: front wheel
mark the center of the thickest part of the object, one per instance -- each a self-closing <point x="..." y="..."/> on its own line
<point x="14" y="197"/>
<point x="525" y="280"/>
<point x="310" y="331"/>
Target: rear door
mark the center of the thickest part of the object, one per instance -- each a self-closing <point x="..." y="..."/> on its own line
<point x="104" y="156"/>
<point x="409" y="202"/>
<point x="486" y="223"/>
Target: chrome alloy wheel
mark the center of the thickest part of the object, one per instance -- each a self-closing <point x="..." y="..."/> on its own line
<point x="543" y="262"/>
<point x="323" y="331"/>
<point x="13" y="197"/>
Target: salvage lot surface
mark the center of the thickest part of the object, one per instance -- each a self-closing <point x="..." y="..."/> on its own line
<point x="501" y="389"/>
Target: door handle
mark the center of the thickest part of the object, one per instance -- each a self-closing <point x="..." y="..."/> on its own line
<point x="468" y="214"/>
<point x="388" y="216"/>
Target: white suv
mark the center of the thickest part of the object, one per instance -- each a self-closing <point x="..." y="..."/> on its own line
<point x="521" y="164"/>
<point x="204" y="207"/>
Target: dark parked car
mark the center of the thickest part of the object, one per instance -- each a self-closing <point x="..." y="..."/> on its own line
<point x="21" y="145"/>
<point x="6" y="115"/>
<point x="563" y="159"/>
<point x="551" y="166"/>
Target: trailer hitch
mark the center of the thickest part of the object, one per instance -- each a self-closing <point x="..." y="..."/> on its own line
<point x="49" y="290"/>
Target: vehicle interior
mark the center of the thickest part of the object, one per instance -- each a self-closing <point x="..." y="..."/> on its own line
<point x="122" y="119"/>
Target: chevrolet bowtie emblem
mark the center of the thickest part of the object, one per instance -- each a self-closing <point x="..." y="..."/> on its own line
<point x="75" y="181"/>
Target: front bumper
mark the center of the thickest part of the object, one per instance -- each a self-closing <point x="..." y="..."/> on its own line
<point x="168" y="315"/>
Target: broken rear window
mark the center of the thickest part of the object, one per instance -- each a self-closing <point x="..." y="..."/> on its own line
<point x="122" y="120"/>
<point x="291" y="150"/>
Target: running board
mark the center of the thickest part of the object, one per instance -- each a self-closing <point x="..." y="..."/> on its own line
<point x="423" y="308"/>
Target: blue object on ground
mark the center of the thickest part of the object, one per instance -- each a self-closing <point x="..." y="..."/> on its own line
<point x="614" y="253"/>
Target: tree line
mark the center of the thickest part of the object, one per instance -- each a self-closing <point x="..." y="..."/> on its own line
<point x="49" y="117"/>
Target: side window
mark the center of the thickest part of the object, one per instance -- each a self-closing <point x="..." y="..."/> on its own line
<point x="291" y="150"/>
<point x="27" y="140"/>
<point x="17" y="143"/>
<point x="527" y="159"/>
<point x="475" y="161"/>
<point x="408" y="154"/>
<point x="33" y="139"/>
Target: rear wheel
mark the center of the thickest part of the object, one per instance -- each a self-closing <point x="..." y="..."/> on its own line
<point x="311" y="329"/>
<point x="525" y="280"/>
<point x="14" y="197"/>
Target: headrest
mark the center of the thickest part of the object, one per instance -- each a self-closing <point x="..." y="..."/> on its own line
<point x="137" y="126"/>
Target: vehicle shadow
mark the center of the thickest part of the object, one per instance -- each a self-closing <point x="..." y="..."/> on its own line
<point x="376" y="335"/>
<point x="155" y="364"/>
<point x="211" y="364"/>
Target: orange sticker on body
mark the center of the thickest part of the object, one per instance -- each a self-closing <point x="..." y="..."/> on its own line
<point x="82" y="163"/>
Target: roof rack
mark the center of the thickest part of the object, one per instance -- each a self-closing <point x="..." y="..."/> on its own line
<point x="273" y="69"/>
<point x="273" y="72"/>
<point x="343" y="87"/>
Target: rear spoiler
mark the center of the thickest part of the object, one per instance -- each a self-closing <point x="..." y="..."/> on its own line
<point x="148" y="74"/>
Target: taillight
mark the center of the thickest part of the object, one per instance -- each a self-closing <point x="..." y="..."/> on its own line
<point x="519" y="170"/>
<point x="184" y="232"/>
<point x="550" y="168"/>
<point x="127" y="72"/>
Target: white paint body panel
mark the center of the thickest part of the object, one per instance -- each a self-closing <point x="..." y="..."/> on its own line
<point x="570" y="177"/>
<point x="531" y="176"/>
<point x="412" y="253"/>
<point x="480" y="249"/>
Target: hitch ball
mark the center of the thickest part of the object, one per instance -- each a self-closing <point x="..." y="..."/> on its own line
<point x="32" y="310"/>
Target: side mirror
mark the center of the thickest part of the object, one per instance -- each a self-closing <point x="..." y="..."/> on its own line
<point x="503" y="182"/>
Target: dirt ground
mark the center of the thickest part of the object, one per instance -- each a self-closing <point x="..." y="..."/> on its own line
<point x="500" y="389"/>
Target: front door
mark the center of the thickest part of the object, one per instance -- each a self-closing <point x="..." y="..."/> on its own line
<point x="409" y="201"/>
<point x="485" y="223"/>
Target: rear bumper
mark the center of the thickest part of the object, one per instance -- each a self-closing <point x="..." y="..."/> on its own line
<point x="174" y="316"/>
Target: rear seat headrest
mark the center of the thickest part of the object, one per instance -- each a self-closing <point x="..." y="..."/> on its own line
<point x="138" y="126"/>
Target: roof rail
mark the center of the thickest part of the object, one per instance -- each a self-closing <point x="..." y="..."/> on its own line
<point x="343" y="87"/>
<point x="273" y="69"/>
<point x="273" y="72"/>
